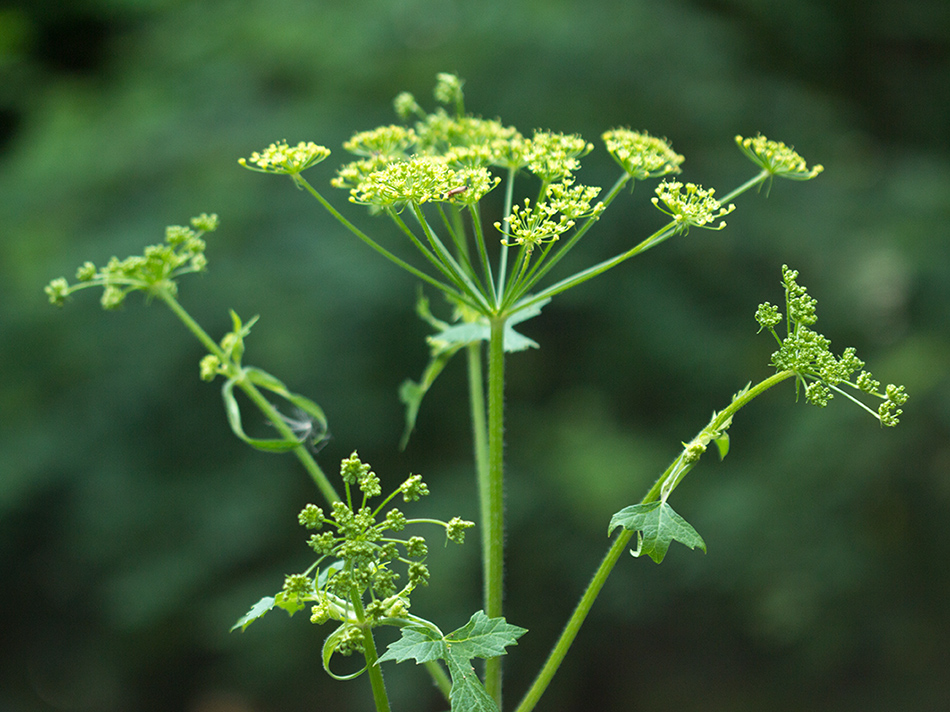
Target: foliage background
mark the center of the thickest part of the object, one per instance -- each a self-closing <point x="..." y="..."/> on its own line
<point x="134" y="529"/>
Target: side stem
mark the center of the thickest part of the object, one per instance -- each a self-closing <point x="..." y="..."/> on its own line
<point x="373" y="669"/>
<point x="303" y="454"/>
<point x="577" y="618"/>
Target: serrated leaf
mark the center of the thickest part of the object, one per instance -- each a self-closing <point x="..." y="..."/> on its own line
<point x="481" y="637"/>
<point x="417" y="642"/>
<point x="257" y="610"/>
<point x="444" y="344"/>
<point x="470" y="332"/>
<point x="468" y="694"/>
<point x="484" y="637"/>
<point x="657" y="526"/>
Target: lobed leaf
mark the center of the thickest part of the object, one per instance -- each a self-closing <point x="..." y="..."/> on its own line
<point x="657" y="526"/>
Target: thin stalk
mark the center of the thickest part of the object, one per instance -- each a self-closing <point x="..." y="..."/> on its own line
<point x="456" y="230"/>
<point x="303" y="454"/>
<point x="376" y="246"/>
<point x="436" y="259"/>
<point x="751" y="183"/>
<point x="599" y="268"/>
<point x="440" y="678"/>
<point x="482" y="250"/>
<point x="577" y="618"/>
<point x="493" y="520"/>
<point x="548" y="265"/>
<point x="459" y="276"/>
<point x="503" y="261"/>
<point x="655" y="239"/>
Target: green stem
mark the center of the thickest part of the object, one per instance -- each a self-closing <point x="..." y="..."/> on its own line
<point x="493" y="520"/>
<point x="546" y="266"/>
<point x="440" y="677"/>
<point x="429" y="279"/>
<point x="574" y="623"/>
<point x="476" y="388"/>
<point x="372" y="657"/>
<point x="503" y="260"/>
<point x="577" y="618"/>
<point x="664" y="233"/>
<point x="256" y="397"/>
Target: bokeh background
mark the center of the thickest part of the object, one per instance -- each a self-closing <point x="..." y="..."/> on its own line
<point x="135" y="529"/>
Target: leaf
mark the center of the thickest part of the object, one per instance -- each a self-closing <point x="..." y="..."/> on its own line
<point x="722" y="444"/>
<point x="289" y="602"/>
<point x="480" y="330"/>
<point x="481" y="637"/>
<point x="446" y="342"/>
<point x="657" y="525"/>
<point x="273" y="384"/>
<point x="484" y="637"/>
<point x="257" y="610"/>
<point x="417" y="642"/>
<point x="412" y="393"/>
<point x="468" y="694"/>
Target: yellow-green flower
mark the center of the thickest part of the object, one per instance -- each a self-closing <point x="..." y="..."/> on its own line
<point x="776" y="158"/>
<point x="281" y="159"/>
<point x="640" y="154"/>
<point x="690" y="205"/>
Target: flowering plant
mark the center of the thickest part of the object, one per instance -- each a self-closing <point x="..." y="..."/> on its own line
<point x="432" y="178"/>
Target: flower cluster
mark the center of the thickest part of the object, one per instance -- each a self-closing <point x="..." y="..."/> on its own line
<point x="640" y="154"/>
<point x="776" y="158"/>
<point x="690" y="205"/>
<point x="358" y="585"/>
<point x="392" y="142"/>
<point x="808" y="354"/>
<point x="419" y="180"/>
<point x="554" y="156"/>
<point x="281" y="159"/>
<point x="152" y="272"/>
<point x="547" y="220"/>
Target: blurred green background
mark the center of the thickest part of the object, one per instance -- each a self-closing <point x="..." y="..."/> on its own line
<point x="135" y="529"/>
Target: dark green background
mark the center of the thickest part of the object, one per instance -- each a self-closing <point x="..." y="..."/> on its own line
<point x="135" y="529"/>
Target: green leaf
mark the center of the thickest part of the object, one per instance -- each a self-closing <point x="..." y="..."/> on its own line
<point x="481" y="637"/>
<point x="480" y="330"/>
<point x="468" y="693"/>
<point x="412" y="393"/>
<point x="257" y="610"/>
<point x="722" y="444"/>
<point x="444" y="344"/>
<point x="657" y="525"/>
<point x="420" y="643"/>
<point x="484" y="637"/>
<point x="290" y="603"/>
<point x="273" y="384"/>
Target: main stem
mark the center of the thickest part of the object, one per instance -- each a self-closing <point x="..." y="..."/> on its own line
<point x="476" y="388"/>
<point x="493" y="520"/>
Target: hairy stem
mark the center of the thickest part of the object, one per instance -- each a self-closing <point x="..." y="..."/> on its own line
<point x="476" y="388"/>
<point x="493" y="520"/>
